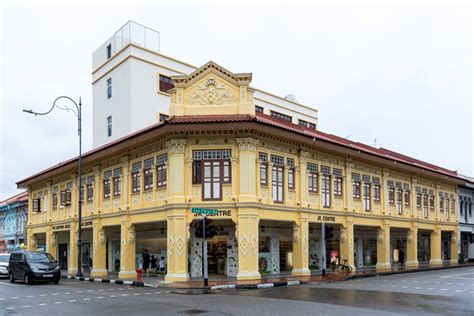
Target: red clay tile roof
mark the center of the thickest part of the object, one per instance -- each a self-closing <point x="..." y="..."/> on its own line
<point x="271" y="121"/>
<point x="23" y="196"/>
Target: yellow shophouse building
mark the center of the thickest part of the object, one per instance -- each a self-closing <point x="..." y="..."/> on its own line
<point x="274" y="183"/>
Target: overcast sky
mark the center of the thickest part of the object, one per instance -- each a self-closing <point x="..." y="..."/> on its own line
<point x="400" y="73"/>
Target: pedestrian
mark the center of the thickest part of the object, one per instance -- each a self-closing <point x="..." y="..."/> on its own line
<point x="401" y="256"/>
<point x="153" y="263"/>
<point x="90" y="263"/>
<point x="162" y="265"/>
<point x="146" y="261"/>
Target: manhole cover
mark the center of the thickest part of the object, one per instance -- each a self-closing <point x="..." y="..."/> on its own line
<point x="193" y="312"/>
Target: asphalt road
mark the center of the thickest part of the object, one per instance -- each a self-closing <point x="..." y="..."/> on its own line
<point x="446" y="292"/>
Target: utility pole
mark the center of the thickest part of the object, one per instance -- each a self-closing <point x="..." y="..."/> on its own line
<point x="206" y="281"/>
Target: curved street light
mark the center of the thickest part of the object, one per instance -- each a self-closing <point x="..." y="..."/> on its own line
<point x="77" y="111"/>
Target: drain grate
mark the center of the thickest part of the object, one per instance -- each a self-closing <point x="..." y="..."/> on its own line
<point x="193" y="312"/>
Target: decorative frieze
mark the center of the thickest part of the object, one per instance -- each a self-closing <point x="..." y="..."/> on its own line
<point x="176" y="146"/>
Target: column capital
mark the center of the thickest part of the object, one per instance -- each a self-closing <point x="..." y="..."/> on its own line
<point x="176" y="146"/>
<point x="247" y="144"/>
<point x="304" y="155"/>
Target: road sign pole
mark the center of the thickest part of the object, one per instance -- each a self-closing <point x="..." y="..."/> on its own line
<point x="205" y="250"/>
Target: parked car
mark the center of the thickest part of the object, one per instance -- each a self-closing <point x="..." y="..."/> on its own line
<point x="4" y="258"/>
<point x="31" y="266"/>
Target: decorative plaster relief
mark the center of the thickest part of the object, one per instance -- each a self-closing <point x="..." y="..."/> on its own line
<point x="211" y="92"/>
<point x="148" y="197"/>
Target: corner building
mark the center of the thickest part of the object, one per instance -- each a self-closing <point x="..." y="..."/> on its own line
<point x="274" y="183"/>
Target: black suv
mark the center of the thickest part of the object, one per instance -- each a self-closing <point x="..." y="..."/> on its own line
<point x="31" y="266"/>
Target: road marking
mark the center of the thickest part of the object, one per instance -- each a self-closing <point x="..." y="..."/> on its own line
<point x="9" y="308"/>
<point x="29" y="296"/>
<point x="90" y="290"/>
<point x="111" y="289"/>
<point x="136" y="294"/>
<point x="157" y="292"/>
<point x="113" y="295"/>
<point x="14" y="297"/>
<point x="2" y="299"/>
<point x="147" y="293"/>
<point x="443" y="289"/>
<point x="99" y="297"/>
<point x="9" y="284"/>
<point x="124" y="294"/>
<point x="405" y="287"/>
<point x="54" y="294"/>
<point x="430" y="288"/>
<point x="67" y="293"/>
<point x="42" y="294"/>
<point x="57" y="302"/>
<point x="101" y="290"/>
<point x="42" y="304"/>
<point x="72" y="301"/>
<point x="460" y="276"/>
<point x="78" y="291"/>
<point x="416" y="287"/>
<point x="26" y="306"/>
<point x="87" y="299"/>
<point x="458" y="290"/>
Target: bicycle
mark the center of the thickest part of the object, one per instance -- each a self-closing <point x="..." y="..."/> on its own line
<point x="344" y="267"/>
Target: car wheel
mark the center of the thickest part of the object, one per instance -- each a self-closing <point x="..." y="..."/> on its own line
<point x="12" y="278"/>
<point x="27" y="279"/>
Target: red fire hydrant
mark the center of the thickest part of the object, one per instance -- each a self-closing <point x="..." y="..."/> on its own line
<point x="139" y="275"/>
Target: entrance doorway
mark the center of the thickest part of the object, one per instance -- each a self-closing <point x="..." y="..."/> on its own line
<point x="62" y="250"/>
<point x="217" y="255"/>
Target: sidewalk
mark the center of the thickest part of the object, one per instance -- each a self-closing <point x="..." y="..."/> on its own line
<point x="277" y="280"/>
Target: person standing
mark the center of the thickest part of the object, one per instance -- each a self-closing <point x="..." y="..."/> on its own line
<point x="146" y="261"/>
<point x="153" y="264"/>
<point x="401" y="256"/>
<point x="162" y="265"/>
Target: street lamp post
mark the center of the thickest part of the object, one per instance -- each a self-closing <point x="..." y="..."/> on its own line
<point x="77" y="112"/>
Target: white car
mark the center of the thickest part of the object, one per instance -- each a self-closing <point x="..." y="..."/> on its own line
<point x="4" y="259"/>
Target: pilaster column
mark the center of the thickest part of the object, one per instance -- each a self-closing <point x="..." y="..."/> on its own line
<point x="74" y="207"/>
<point x="98" y="187"/>
<point x="435" y="248"/>
<point x="285" y="185"/>
<point x="413" y="198"/>
<point x="189" y="179"/>
<point x="248" y="172"/>
<point x="177" y="248"/>
<point x="300" y="246"/>
<point x="303" y="178"/>
<point x="176" y="148"/>
<point x="247" y="236"/>
<point x="98" y="251"/>
<point x="346" y="243"/>
<point x="454" y="248"/>
<point x="437" y="215"/>
<point x="383" y="248"/>
<point x="73" y="251"/>
<point x="126" y="175"/>
<point x="348" y="192"/>
<point x="257" y="179"/>
<point x="412" y="247"/>
<point x="235" y="178"/>
<point x="384" y="193"/>
<point x="51" y="243"/>
<point x="128" y="249"/>
<point x="31" y="240"/>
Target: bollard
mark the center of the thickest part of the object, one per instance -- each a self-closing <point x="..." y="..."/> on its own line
<point x="139" y="275"/>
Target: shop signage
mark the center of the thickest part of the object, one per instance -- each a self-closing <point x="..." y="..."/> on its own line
<point x="327" y="218"/>
<point x="86" y="224"/>
<point x="61" y="227"/>
<point x="209" y="212"/>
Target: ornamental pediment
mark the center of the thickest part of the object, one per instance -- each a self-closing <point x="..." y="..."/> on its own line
<point x="212" y="90"/>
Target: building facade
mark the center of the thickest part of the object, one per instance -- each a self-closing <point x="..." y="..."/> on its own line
<point x="13" y="221"/>
<point x="466" y="220"/>
<point x="131" y="79"/>
<point x="275" y="183"/>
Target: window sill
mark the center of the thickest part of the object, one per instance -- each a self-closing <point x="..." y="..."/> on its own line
<point x="338" y="197"/>
<point x="161" y="188"/>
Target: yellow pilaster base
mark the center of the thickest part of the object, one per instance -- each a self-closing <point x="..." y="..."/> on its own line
<point x="51" y="243"/>
<point x="73" y="251"/>
<point x="300" y="247"/>
<point x="177" y="247"/>
<point x="454" y="248"/>
<point x="435" y="245"/>
<point x="127" y="254"/>
<point x="247" y="236"/>
<point x="383" y="248"/>
<point x="346" y="244"/>
<point x="98" y="252"/>
<point x="412" y="248"/>
<point x="31" y="246"/>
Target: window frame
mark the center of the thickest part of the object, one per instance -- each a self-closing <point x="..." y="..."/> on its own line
<point x="148" y="174"/>
<point x="367" y="190"/>
<point x="109" y="88"/>
<point x="313" y="178"/>
<point x="136" y="178"/>
<point x="326" y="190"/>
<point x="166" y="84"/>
<point x="161" y="171"/>
<point x="117" y="182"/>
